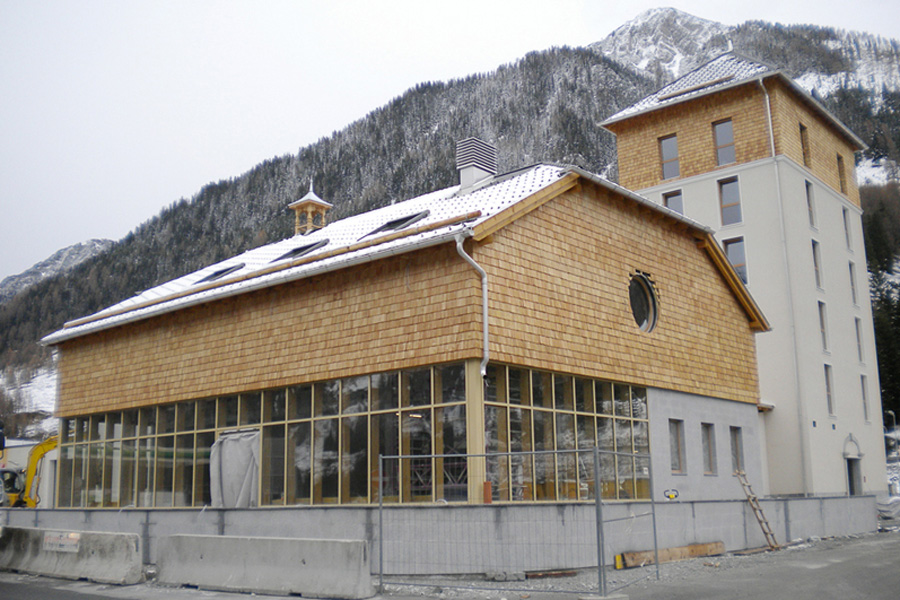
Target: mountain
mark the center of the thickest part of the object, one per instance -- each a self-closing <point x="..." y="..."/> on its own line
<point x="545" y="107"/>
<point x="61" y="261"/>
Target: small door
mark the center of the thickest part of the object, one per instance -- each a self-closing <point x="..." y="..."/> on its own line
<point x="854" y="477"/>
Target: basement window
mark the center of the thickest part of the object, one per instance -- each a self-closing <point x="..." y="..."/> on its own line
<point x="221" y="273"/>
<point x="401" y="223"/>
<point x="301" y="250"/>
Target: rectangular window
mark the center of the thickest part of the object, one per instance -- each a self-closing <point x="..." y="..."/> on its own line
<point x="676" y="445"/>
<point x="817" y="264"/>
<point x="737" y="449"/>
<point x="668" y="152"/>
<point x="730" y="201"/>
<point x="847" y="237"/>
<point x="823" y="326"/>
<point x="734" y="250"/>
<point x="859" y="339"/>
<point x="724" y="136"/>
<point x="842" y="175"/>
<point x="829" y="390"/>
<point x="804" y="144"/>
<point x="853" y="293"/>
<point x="810" y="204"/>
<point x="708" y="439"/>
<point x="863" y="385"/>
<point x="674" y="201"/>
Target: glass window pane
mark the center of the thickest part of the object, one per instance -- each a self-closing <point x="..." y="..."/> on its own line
<point x="183" y="476"/>
<point x="451" y="383"/>
<point x="64" y="488"/>
<point x="114" y="425"/>
<point x="521" y="471"/>
<point x="274" y="405"/>
<point x="674" y="201"/>
<point x="416" y="440"/>
<point x="202" y="492"/>
<point x="228" y="411"/>
<point x="95" y="474"/>
<point x="325" y="457"/>
<point x="98" y="428"/>
<point x="604" y="394"/>
<point x="385" y="391"/>
<point x="112" y="470"/>
<point x="129" y="423"/>
<point x="622" y="400"/>
<point x="186" y="417"/>
<point x="638" y="402"/>
<point x="567" y="483"/>
<point x="606" y="440"/>
<point x="166" y="416"/>
<point x="519" y="390"/>
<point x="354" y="457"/>
<point x="585" y="456"/>
<point x="272" y="464"/>
<point x="250" y="409"/>
<point x="415" y="387"/>
<point x="326" y="398"/>
<point x="299" y="458"/>
<point x="495" y="384"/>
<point x="563" y="392"/>
<point x="544" y="465"/>
<point x="386" y="442"/>
<point x="496" y="434"/>
<point x="542" y="389"/>
<point x="450" y="438"/>
<point x="300" y="402"/>
<point x="354" y="394"/>
<point x="146" y="459"/>
<point x="206" y="417"/>
<point x="82" y="425"/>
<point x="165" y="450"/>
<point x="79" y="476"/>
<point x="730" y="198"/>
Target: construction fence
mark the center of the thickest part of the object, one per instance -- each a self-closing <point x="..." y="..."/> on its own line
<point x="511" y="546"/>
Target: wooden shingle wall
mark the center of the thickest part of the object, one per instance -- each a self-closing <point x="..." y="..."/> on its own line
<point x="559" y="299"/>
<point x="824" y="142"/>
<point x="416" y="309"/>
<point x="637" y="139"/>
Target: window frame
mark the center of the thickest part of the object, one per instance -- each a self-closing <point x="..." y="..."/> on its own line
<point x="817" y="265"/>
<point x="668" y="196"/>
<point x="829" y="389"/>
<point x="708" y="446"/>
<point x="724" y="147"/>
<point x="670" y="162"/>
<point x="724" y="185"/>
<point x="804" y="145"/>
<point x="741" y="267"/>
<point x="811" y="205"/>
<point x="736" y="437"/>
<point x="677" y="456"/>
<point x="823" y="324"/>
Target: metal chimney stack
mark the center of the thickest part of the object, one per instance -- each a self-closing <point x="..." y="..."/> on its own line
<point x="476" y="161"/>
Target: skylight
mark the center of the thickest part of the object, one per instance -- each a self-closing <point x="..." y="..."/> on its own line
<point x="398" y="224"/>
<point x="301" y="250"/>
<point x="221" y="273"/>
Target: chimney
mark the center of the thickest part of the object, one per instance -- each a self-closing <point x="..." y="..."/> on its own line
<point x="476" y="161"/>
<point x="313" y="208"/>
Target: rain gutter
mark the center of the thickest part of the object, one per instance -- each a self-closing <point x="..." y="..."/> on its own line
<point x="485" y="352"/>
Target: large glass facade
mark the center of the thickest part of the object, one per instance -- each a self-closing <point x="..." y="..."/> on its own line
<point x="320" y="443"/>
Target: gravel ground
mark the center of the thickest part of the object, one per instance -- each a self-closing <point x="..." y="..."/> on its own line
<point x="585" y="582"/>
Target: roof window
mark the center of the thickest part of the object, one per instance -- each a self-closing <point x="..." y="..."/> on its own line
<point x="302" y="250"/>
<point x="401" y="223"/>
<point x="221" y="273"/>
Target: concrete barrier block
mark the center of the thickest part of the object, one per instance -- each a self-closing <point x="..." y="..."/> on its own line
<point x="101" y="557"/>
<point x="318" y="568"/>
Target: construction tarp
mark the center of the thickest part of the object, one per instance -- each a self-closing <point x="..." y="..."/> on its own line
<point x="234" y="470"/>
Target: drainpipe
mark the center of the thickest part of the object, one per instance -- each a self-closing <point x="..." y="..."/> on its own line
<point x="485" y="354"/>
<point x="801" y="412"/>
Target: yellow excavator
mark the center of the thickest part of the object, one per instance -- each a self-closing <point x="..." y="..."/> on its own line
<point x="21" y="485"/>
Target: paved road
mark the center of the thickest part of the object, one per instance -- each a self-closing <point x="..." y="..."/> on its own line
<point x="867" y="568"/>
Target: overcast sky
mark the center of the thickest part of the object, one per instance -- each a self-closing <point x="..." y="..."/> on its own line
<point x="110" y="110"/>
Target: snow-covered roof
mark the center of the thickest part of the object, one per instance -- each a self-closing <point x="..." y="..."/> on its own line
<point x="430" y="219"/>
<point x="726" y="71"/>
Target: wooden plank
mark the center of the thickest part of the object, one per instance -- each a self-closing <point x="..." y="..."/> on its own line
<point x="643" y="558"/>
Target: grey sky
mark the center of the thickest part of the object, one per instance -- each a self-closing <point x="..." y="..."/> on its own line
<point x="110" y="110"/>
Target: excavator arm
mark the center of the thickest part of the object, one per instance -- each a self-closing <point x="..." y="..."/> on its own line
<point x="30" y="497"/>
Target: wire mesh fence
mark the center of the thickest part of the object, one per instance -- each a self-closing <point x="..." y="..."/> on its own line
<point x="514" y="521"/>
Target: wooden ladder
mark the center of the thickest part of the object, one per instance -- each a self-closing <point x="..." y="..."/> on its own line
<point x="757" y="510"/>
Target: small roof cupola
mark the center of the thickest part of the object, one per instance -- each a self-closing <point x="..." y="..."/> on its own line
<point x="476" y="160"/>
<point x="309" y="212"/>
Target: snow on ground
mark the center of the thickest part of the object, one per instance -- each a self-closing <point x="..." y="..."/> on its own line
<point x="876" y="172"/>
<point x="33" y="393"/>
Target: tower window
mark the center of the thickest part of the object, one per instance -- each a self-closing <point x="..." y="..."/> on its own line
<point x="668" y="152"/>
<point x="730" y="201"/>
<point x="804" y="144"/>
<point x="723" y="132"/>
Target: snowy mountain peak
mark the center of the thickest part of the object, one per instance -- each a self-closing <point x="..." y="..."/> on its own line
<point x="61" y="261"/>
<point x="665" y="42"/>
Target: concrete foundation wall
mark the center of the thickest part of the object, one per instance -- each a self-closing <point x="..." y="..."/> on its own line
<point x="466" y="538"/>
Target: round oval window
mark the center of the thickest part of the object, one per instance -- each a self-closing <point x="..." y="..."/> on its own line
<point x="643" y="301"/>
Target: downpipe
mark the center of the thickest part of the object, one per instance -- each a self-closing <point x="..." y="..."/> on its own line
<point x="485" y="354"/>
